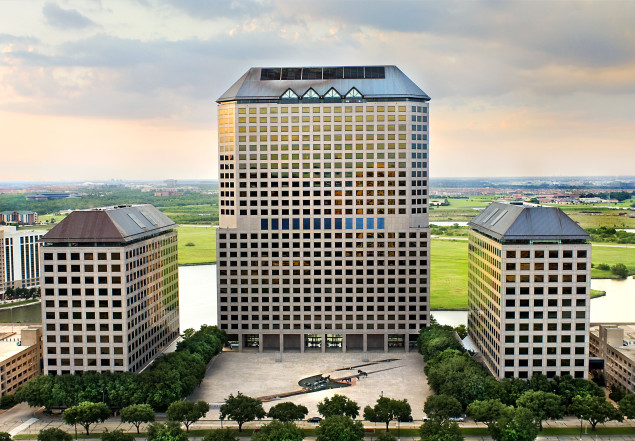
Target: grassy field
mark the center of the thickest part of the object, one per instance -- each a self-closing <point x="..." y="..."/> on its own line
<point x="448" y="274"/>
<point x="204" y="248"/>
<point x="611" y="256"/>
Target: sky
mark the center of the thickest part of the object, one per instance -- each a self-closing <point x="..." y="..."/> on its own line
<point x="126" y="89"/>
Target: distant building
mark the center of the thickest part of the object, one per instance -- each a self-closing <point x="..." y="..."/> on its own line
<point x="110" y="289"/>
<point x="19" y="260"/>
<point x="19" y="217"/>
<point x="170" y="182"/>
<point x="615" y="343"/>
<point x="528" y="291"/>
<point x="20" y="355"/>
<point x="52" y="196"/>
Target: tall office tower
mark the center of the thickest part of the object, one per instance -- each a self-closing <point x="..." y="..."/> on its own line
<point x="528" y="291"/>
<point x="19" y="265"/>
<point x="110" y="289"/>
<point x="323" y="240"/>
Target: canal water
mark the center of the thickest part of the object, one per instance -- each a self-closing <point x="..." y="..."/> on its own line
<point x="198" y="301"/>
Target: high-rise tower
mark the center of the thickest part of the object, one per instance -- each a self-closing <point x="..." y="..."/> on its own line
<point x="529" y="274"/>
<point x="323" y="240"/>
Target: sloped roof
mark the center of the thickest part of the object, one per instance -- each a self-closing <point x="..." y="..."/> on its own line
<point x="516" y="222"/>
<point x="118" y="224"/>
<point x="395" y="84"/>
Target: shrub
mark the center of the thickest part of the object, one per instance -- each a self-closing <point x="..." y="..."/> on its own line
<point x="54" y="434"/>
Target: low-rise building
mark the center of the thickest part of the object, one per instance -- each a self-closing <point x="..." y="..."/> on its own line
<point x="20" y="355"/>
<point x="19" y="217"/>
<point x="19" y="261"/>
<point x="616" y="345"/>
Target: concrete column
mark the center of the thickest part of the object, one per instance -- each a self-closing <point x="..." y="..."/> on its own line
<point x="344" y="343"/>
<point x="365" y="343"/>
<point x="301" y="343"/>
<point x="261" y="343"/>
<point x="281" y="343"/>
<point x="323" y="342"/>
<point x="241" y="339"/>
<point x="385" y="342"/>
<point x="407" y="342"/>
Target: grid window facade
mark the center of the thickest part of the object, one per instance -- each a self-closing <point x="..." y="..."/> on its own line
<point x="529" y="306"/>
<point x="109" y="308"/>
<point x="323" y="238"/>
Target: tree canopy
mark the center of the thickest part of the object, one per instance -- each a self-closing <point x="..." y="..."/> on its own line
<point x="340" y="428"/>
<point x="171" y="431"/>
<point x="627" y="406"/>
<point x="278" y="431"/>
<point x="442" y="407"/>
<point x="436" y="429"/>
<point x="187" y="412"/>
<point x="53" y="434"/>
<point x="85" y="414"/>
<point x="241" y="408"/>
<point x="116" y="435"/>
<point x="594" y="410"/>
<point x="515" y="425"/>
<point x="170" y="378"/>
<point x="543" y="405"/>
<point x="287" y="411"/>
<point x="137" y="414"/>
<point x="388" y="409"/>
<point x="338" y="405"/>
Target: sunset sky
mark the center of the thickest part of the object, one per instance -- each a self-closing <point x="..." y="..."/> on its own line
<point x="95" y="90"/>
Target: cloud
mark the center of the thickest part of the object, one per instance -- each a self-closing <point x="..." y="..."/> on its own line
<point x="65" y="18"/>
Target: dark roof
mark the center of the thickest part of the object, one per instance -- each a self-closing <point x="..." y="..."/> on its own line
<point x="371" y="81"/>
<point x="119" y="224"/>
<point x="516" y="222"/>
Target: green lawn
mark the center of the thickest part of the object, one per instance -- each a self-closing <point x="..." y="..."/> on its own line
<point x="611" y="256"/>
<point x="204" y="249"/>
<point x="21" y="302"/>
<point x="448" y="274"/>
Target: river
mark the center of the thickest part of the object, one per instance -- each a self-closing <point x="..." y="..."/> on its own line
<point x="197" y="285"/>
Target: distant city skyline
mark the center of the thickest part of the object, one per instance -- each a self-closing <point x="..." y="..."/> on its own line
<point x="96" y="90"/>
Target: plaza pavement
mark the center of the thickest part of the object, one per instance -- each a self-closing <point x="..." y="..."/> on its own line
<point x="259" y="374"/>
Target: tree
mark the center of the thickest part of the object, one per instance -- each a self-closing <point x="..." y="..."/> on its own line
<point x="442" y="406"/>
<point x="617" y="393"/>
<point x="515" y="425"/>
<point x="137" y="414"/>
<point x="338" y="405"/>
<point x="187" y="412"/>
<point x="116" y="435"/>
<point x="85" y="414"/>
<point x="461" y="330"/>
<point x="228" y="434"/>
<point x="54" y="434"/>
<point x="4" y="436"/>
<point x="487" y="411"/>
<point x="7" y="401"/>
<point x="436" y="429"/>
<point x="278" y="431"/>
<point x="241" y="408"/>
<point x="388" y="409"/>
<point x="171" y="431"/>
<point x="544" y="405"/>
<point x="627" y="406"/>
<point x="340" y="428"/>
<point x="603" y="267"/>
<point x="594" y="409"/>
<point x="619" y="269"/>
<point x="288" y="411"/>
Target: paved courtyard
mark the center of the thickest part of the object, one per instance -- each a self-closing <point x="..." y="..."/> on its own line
<point x="259" y="374"/>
